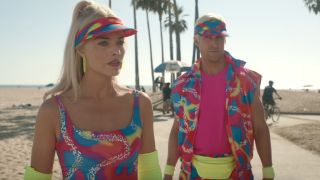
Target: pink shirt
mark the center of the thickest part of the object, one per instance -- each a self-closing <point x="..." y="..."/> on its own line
<point x="211" y="136"/>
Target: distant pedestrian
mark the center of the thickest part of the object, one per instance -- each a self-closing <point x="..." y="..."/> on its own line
<point x="142" y="89"/>
<point x="166" y="93"/>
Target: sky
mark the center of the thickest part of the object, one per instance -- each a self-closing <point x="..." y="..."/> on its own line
<point x="277" y="38"/>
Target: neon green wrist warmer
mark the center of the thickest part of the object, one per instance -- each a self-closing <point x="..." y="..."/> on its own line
<point x="169" y="170"/>
<point x="268" y="172"/>
<point x="148" y="166"/>
<point x="32" y="174"/>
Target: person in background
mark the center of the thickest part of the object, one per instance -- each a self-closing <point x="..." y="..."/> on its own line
<point x="99" y="129"/>
<point x="142" y="89"/>
<point x="166" y="93"/>
<point x="161" y="82"/>
<point x="267" y="97"/>
<point x="157" y="82"/>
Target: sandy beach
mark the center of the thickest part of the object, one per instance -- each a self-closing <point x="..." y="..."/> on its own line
<point x="17" y="120"/>
<point x="17" y="129"/>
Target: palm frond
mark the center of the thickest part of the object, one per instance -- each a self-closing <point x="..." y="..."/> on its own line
<point x="313" y="5"/>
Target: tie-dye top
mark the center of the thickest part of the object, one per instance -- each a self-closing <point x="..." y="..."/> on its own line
<point x="99" y="155"/>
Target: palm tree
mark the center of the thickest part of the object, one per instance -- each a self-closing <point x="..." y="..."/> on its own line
<point x="147" y="5"/>
<point x="110" y="3"/>
<point x="160" y="7"/>
<point x="168" y="23"/>
<point x="170" y="36"/>
<point x="195" y="48"/>
<point x="313" y="5"/>
<point x="176" y="18"/>
<point x="178" y="26"/>
<point x="136" y="47"/>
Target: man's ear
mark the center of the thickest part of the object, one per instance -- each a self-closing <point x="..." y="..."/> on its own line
<point x="196" y="40"/>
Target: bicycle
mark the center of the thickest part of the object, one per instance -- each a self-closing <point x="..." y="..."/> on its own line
<point x="272" y="111"/>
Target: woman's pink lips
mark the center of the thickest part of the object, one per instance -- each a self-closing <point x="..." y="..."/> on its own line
<point x="114" y="63"/>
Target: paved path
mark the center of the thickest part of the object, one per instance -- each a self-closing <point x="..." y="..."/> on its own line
<point x="290" y="161"/>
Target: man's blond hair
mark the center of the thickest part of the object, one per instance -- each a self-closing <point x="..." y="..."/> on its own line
<point x="208" y="17"/>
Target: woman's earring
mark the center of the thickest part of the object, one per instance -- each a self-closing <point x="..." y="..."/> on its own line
<point x="84" y="64"/>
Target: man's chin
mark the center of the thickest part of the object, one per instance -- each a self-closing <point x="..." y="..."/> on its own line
<point x="215" y="58"/>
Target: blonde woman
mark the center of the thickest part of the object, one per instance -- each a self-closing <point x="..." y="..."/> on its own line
<point x="98" y="129"/>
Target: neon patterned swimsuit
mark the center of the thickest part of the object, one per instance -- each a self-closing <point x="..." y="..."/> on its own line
<point x="99" y="155"/>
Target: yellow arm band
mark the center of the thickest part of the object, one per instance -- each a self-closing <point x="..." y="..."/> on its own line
<point x="148" y="166"/>
<point x="32" y="174"/>
<point x="169" y="170"/>
<point x="268" y="172"/>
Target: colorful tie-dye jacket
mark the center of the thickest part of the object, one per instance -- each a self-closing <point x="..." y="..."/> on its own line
<point x="241" y="86"/>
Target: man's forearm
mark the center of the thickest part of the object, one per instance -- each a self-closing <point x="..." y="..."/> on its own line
<point x="262" y="138"/>
<point x="173" y="153"/>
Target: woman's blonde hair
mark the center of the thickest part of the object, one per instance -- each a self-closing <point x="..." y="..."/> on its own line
<point x="84" y="12"/>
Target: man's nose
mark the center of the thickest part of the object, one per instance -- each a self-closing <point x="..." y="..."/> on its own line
<point x="214" y="44"/>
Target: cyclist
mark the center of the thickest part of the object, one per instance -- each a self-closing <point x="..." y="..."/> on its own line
<point x="267" y="97"/>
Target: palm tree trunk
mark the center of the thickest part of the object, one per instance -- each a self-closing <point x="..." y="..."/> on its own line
<point x="162" y="52"/>
<point x="110" y="4"/>
<point x="136" y="48"/>
<point x="197" y="16"/>
<point x="151" y="58"/>
<point x="195" y="48"/>
<point x="170" y="39"/>
<point x="193" y="53"/>
<point x="178" y="48"/>
<point x="170" y="34"/>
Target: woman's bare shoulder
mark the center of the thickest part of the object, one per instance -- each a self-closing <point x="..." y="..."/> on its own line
<point x="145" y="105"/>
<point x="145" y="99"/>
<point x="48" y="111"/>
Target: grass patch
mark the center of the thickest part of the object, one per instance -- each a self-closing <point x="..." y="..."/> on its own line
<point x="306" y="135"/>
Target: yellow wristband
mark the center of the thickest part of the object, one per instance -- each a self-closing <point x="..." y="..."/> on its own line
<point x="268" y="172"/>
<point x="32" y="174"/>
<point x="148" y="166"/>
<point x="169" y="170"/>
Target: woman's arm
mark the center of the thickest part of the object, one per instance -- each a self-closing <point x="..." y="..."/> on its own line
<point x="43" y="149"/>
<point x="146" y="115"/>
<point x="148" y="162"/>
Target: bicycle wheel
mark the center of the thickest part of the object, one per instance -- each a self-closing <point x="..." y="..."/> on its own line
<point x="267" y="111"/>
<point x="276" y="114"/>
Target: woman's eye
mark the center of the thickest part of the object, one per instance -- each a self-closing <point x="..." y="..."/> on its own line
<point x="103" y="43"/>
